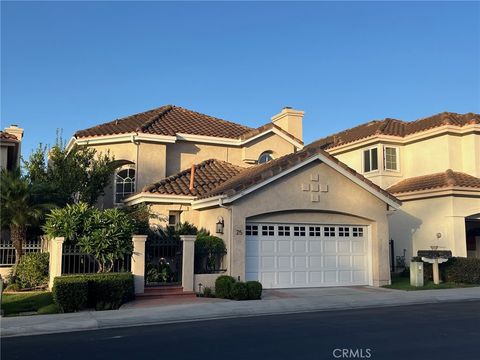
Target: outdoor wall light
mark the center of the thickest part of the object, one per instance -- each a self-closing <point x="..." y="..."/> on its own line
<point x="220" y="225"/>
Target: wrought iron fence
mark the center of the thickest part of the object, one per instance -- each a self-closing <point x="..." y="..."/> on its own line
<point x="209" y="262"/>
<point x="163" y="262"/>
<point x="7" y="250"/>
<point x="75" y="261"/>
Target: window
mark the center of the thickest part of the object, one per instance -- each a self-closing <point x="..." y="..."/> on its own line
<point x="328" y="231"/>
<point x="390" y="155"/>
<point x="268" y="230"/>
<point x="283" y="230"/>
<point x="370" y="160"/>
<point x="314" y="231"/>
<point x="299" y="231"/>
<point x="343" y="231"/>
<point x="251" y="230"/>
<point x="173" y="219"/>
<point x="357" y="232"/>
<point x="124" y="183"/>
<point x="265" y="157"/>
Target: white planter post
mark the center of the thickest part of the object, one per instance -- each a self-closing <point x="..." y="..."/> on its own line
<point x="55" y="268"/>
<point x="188" y="257"/>
<point x="138" y="262"/>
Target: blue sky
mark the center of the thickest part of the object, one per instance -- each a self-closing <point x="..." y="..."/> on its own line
<point x="73" y="65"/>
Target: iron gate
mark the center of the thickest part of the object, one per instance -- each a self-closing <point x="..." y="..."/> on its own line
<point x="163" y="263"/>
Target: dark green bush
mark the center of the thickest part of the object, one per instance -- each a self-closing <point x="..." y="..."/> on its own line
<point x="239" y="291"/>
<point x="462" y="270"/>
<point x="254" y="290"/>
<point x="109" y="291"/>
<point x="223" y="286"/>
<point x="207" y="292"/>
<point x="12" y="288"/>
<point x="32" y="270"/>
<point x="103" y="291"/>
<point x="70" y="293"/>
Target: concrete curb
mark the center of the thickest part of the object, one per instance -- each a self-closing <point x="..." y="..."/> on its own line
<point x="96" y="320"/>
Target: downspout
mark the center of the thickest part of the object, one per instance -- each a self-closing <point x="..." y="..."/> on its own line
<point x="230" y="231"/>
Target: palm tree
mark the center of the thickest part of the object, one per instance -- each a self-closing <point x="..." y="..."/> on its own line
<point x="18" y="207"/>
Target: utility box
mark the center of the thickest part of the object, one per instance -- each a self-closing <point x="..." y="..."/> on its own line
<point x="416" y="273"/>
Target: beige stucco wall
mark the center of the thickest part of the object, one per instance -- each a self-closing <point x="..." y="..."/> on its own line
<point x="415" y="225"/>
<point x="3" y="157"/>
<point x="427" y="156"/>
<point x="269" y="142"/>
<point x="286" y="195"/>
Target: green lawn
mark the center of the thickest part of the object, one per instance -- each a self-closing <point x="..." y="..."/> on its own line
<point x="38" y="302"/>
<point x="403" y="283"/>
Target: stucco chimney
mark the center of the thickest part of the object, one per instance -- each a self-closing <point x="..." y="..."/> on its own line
<point x="290" y="120"/>
<point x="15" y="130"/>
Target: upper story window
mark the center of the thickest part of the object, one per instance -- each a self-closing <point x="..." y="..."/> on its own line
<point x="370" y="160"/>
<point x="390" y="156"/>
<point x="124" y="183"/>
<point x="265" y="157"/>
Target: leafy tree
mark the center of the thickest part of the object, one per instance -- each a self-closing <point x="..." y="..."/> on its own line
<point x="74" y="175"/>
<point x="19" y="207"/>
<point x="105" y="234"/>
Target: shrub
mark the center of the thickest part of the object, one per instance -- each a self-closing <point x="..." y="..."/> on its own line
<point x="223" y="286"/>
<point x="462" y="270"/>
<point x="207" y="292"/>
<point x="186" y="229"/>
<point x="103" y="291"/>
<point x="239" y="291"/>
<point x="70" y="293"/>
<point x="209" y="252"/>
<point x="109" y="291"/>
<point x="32" y="270"/>
<point x="254" y="290"/>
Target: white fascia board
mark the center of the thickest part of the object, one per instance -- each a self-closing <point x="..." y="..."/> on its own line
<point x="330" y="163"/>
<point x="418" y="195"/>
<point x="158" y="199"/>
<point x="235" y="142"/>
<point x="208" y="202"/>
<point x="129" y="137"/>
<point x="445" y="129"/>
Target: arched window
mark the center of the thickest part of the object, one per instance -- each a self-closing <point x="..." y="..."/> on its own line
<point x="124" y="183"/>
<point x="265" y="157"/>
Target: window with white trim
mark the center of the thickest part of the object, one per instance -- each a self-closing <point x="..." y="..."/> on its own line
<point x="299" y="231"/>
<point x="370" y="160"/>
<point x="268" y="230"/>
<point x="343" y="231"/>
<point x="315" y="231"/>
<point x="283" y="230"/>
<point x="124" y="183"/>
<point x="390" y="158"/>
<point x="265" y="157"/>
<point x="328" y="231"/>
<point x="173" y="219"/>
<point x="357" y="232"/>
<point x="251" y="230"/>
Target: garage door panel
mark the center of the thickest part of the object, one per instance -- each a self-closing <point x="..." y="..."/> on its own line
<point x="288" y="255"/>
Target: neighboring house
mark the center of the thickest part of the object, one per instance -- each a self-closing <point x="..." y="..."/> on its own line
<point x="10" y="140"/>
<point x="291" y="216"/>
<point x="433" y="166"/>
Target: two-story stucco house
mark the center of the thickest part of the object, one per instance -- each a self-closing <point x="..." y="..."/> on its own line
<point x="433" y="166"/>
<point x="10" y="141"/>
<point x="290" y="215"/>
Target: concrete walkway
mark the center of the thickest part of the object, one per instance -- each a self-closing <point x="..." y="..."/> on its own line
<point x="147" y="312"/>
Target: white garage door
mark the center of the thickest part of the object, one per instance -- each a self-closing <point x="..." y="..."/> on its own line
<point x="305" y="255"/>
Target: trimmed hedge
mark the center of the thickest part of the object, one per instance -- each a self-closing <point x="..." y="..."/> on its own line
<point x="239" y="291"/>
<point x="254" y="290"/>
<point x="105" y="291"/>
<point x="462" y="270"/>
<point x="70" y="293"/>
<point x="223" y="286"/>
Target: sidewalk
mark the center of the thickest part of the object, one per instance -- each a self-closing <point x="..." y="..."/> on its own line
<point x="273" y="302"/>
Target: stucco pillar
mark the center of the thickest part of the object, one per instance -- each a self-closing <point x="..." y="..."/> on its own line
<point x="457" y="237"/>
<point x="138" y="262"/>
<point x="188" y="261"/>
<point x="55" y="268"/>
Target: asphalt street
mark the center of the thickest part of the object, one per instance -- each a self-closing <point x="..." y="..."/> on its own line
<point x="432" y="331"/>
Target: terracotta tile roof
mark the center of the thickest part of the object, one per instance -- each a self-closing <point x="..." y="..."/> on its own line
<point x="208" y="175"/>
<point x="398" y="128"/>
<point x="256" y="174"/>
<point x="9" y="137"/>
<point x="447" y="179"/>
<point x="266" y="127"/>
<point x="168" y="120"/>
